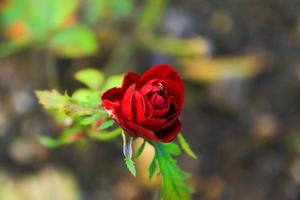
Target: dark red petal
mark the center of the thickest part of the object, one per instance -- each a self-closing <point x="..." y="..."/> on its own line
<point x="149" y="109"/>
<point x="111" y="98"/>
<point x="174" y="88"/>
<point x="153" y="123"/>
<point x="139" y="131"/>
<point x="150" y="86"/>
<point x="167" y="135"/>
<point x="139" y="107"/>
<point x="156" y="72"/>
<point x="129" y="79"/>
<point x="158" y="113"/>
<point x="126" y="103"/>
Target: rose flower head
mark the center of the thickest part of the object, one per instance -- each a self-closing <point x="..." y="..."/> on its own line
<point x="149" y="105"/>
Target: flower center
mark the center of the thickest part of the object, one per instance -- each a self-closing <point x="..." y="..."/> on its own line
<point x="157" y="100"/>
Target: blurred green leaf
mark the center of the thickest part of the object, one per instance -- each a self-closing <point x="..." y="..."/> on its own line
<point x="91" y="119"/>
<point x="113" y="81"/>
<point x="172" y="148"/>
<point x="90" y="77"/>
<point x="105" y="135"/>
<point x="130" y="165"/>
<point x="74" y="109"/>
<point x="174" y="180"/>
<point x="52" y="99"/>
<point x="76" y="41"/>
<point x="51" y="142"/>
<point x="87" y="97"/>
<point x="32" y="20"/>
<point x="106" y="124"/>
<point x="185" y="146"/>
<point x="97" y="9"/>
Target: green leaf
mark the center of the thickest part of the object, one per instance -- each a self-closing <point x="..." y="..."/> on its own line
<point x="140" y="150"/>
<point x="90" y="77"/>
<point x="172" y="148"/>
<point x="73" y="109"/>
<point x="87" y="97"/>
<point x="105" y="136"/>
<point x="76" y="41"/>
<point x="174" y="180"/>
<point x="51" y="142"/>
<point x="113" y="81"/>
<point x="185" y="146"/>
<point x="152" y="168"/>
<point x="91" y="119"/>
<point x="130" y="165"/>
<point x="106" y="124"/>
<point x="107" y="9"/>
<point x="52" y="99"/>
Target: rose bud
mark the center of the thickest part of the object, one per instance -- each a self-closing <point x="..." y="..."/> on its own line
<point x="149" y="105"/>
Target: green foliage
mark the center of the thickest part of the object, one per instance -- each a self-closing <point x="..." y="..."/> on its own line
<point x="140" y="149"/>
<point x="113" y="81"/>
<point x="105" y="135"/>
<point x="185" y="146"/>
<point x="130" y="165"/>
<point x="51" y="142"/>
<point x="76" y="41"/>
<point x="37" y="17"/>
<point x="81" y="112"/>
<point x="174" y="180"/>
<point x="68" y="136"/>
<point x="152" y="168"/>
<point x="106" y="124"/>
<point x="52" y="99"/>
<point x="172" y="148"/>
<point x="87" y="97"/>
<point x="99" y="9"/>
<point x="91" y="119"/>
<point x="90" y="77"/>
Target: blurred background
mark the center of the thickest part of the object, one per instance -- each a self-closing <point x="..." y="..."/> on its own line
<point x="241" y="64"/>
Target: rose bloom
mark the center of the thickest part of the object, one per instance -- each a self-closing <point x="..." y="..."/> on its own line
<point x="148" y="106"/>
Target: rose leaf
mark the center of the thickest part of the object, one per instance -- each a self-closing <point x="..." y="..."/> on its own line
<point x="174" y="180"/>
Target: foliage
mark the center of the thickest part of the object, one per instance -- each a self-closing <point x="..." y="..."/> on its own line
<point x="82" y="109"/>
<point x="174" y="185"/>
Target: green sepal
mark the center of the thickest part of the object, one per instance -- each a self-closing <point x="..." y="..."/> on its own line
<point x="130" y="165"/>
<point x="140" y="149"/>
<point x="185" y="146"/>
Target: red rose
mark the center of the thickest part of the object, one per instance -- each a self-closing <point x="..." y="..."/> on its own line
<point x="148" y="106"/>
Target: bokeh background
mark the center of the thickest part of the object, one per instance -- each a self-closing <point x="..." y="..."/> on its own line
<point x="241" y="64"/>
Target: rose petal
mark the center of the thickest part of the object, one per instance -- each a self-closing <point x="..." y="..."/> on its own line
<point x="111" y="98"/>
<point x="139" y="107"/>
<point x="156" y="72"/>
<point x="129" y="79"/>
<point x="175" y="89"/>
<point x="126" y="103"/>
<point x="167" y="135"/>
<point x="140" y="131"/>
